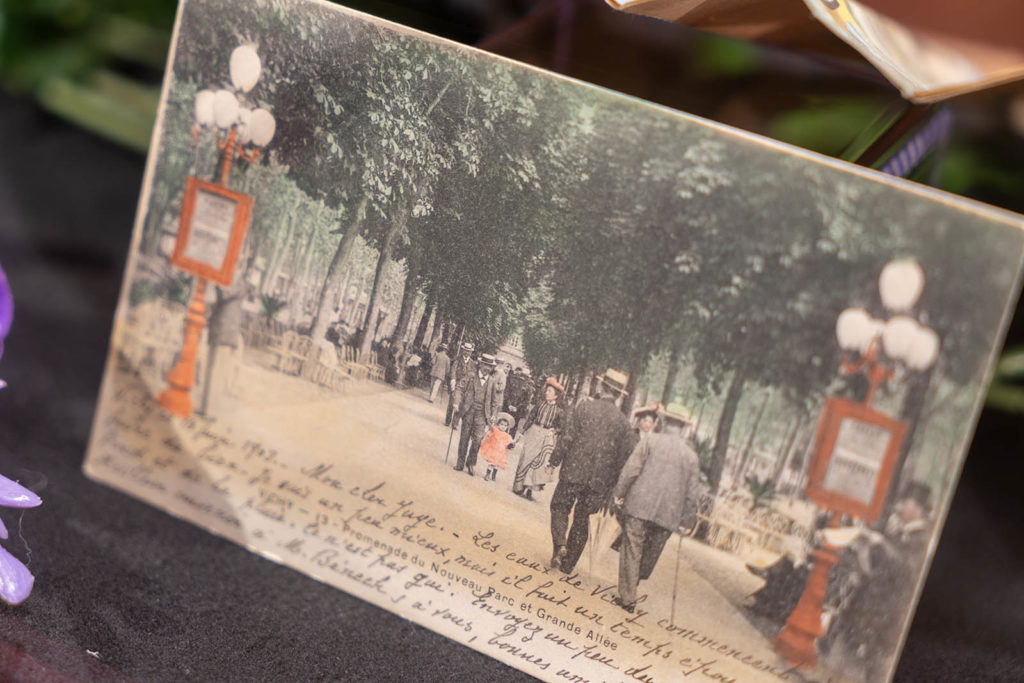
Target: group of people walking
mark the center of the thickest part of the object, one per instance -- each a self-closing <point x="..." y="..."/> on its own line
<point x="650" y="479"/>
<point x="644" y="470"/>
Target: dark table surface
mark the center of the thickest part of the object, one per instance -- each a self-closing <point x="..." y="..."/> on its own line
<point x="124" y="590"/>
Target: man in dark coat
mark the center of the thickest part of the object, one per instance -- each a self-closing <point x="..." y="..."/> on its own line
<point x="480" y="400"/>
<point x="517" y="398"/>
<point x="657" y="492"/>
<point x="591" y="453"/>
<point x="462" y="368"/>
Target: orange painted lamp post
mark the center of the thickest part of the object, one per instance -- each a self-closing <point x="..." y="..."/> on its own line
<point x="214" y="219"/>
<point x="856" y="447"/>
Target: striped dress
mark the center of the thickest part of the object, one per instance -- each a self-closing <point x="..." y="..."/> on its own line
<point x="539" y="437"/>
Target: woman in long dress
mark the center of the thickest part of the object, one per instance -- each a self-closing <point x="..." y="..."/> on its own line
<point x="537" y="440"/>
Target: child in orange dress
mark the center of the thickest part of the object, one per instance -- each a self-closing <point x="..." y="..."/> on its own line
<point x="494" y="447"/>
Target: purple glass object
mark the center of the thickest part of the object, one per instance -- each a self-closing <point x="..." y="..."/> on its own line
<point x="15" y="578"/>
<point x="6" y="309"/>
<point x="14" y="495"/>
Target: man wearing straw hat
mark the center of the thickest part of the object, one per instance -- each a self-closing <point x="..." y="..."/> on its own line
<point x="591" y="452"/>
<point x="480" y="402"/>
<point x="657" y="492"/>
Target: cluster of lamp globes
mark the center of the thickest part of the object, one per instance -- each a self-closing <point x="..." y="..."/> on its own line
<point x="223" y="109"/>
<point x="902" y="337"/>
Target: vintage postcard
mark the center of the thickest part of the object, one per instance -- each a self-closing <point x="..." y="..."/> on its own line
<point x="604" y="391"/>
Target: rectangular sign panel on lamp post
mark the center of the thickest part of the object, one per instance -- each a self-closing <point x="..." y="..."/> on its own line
<point x="855" y="453"/>
<point x="214" y="221"/>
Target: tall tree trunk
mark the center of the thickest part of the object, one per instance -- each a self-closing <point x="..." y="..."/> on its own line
<point x="748" y="450"/>
<point x="250" y="252"/>
<point x="725" y="420"/>
<point x="421" y="329"/>
<point x="431" y="333"/>
<point x="324" y="306"/>
<point x="634" y="370"/>
<point x="673" y="371"/>
<point x="297" y="293"/>
<point x="786" y="452"/>
<point x="288" y="254"/>
<point x="304" y="266"/>
<point x="803" y="449"/>
<point x="370" y="322"/>
<point x="352" y="315"/>
<point x="438" y="332"/>
<point x="456" y="333"/>
<point x="441" y="328"/>
<point x="282" y="246"/>
<point x="339" y="301"/>
<point x="405" y="311"/>
<point x="301" y="273"/>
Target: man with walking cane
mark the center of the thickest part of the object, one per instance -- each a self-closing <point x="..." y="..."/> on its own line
<point x="591" y="451"/>
<point x="657" y="492"/>
<point x="451" y="433"/>
<point x="479" y="402"/>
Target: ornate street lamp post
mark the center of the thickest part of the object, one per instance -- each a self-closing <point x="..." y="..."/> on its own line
<point x="902" y="338"/>
<point x="215" y="219"/>
<point x="857" y="447"/>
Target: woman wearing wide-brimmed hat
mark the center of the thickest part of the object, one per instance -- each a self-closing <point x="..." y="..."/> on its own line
<point x="538" y="437"/>
<point x="645" y="418"/>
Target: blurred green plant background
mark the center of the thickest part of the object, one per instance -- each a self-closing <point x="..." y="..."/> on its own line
<point x="89" y="61"/>
<point x="98" y="64"/>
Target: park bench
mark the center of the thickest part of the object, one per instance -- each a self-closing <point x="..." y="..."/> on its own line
<point x="353" y="362"/>
<point x="289" y="352"/>
<point x="323" y="369"/>
<point x="260" y="332"/>
<point x="295" y="354"/>
<point x="277" y="348"/>
<point x="376" y="370"/>
<point x="348" y="359"/>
